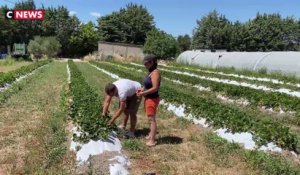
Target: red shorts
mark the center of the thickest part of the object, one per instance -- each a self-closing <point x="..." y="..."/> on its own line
<point x="151" y="105"/>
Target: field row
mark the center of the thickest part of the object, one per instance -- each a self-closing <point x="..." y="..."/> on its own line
<point x="255" y="97"/>
<point x="86" y="91"/>
<point x="84" y="109"/>
<point x="275" y="78"/>
<point x="254" y="158"/>
<point x="220" y="115"/>
<point x="32" y="118"/>
<point x="9" y="77"/>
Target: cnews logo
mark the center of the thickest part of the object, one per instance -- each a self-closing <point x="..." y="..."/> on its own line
<point x="25" y="14"/>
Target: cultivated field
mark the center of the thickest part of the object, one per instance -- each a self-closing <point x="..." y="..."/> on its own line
<point x="6" y="66"/>
<point x="209" y="121"/>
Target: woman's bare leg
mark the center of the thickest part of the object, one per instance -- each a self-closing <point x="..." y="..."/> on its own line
<point x="153" y="129"/>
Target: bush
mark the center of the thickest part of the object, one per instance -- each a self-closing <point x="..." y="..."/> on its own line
<point x="7" y="61"/>
<point x="48" y="46"/>
<point x="263" y="70"/>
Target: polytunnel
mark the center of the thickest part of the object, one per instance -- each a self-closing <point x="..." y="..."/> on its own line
<point x="285" y="62"/>
<point x="192" y="57"/>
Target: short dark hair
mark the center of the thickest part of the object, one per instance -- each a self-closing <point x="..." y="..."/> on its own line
<point x="109" y="88"/>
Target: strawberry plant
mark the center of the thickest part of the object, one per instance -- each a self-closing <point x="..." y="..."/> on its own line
<point x="233" y="78"/>
<point x="255" y="96"/>
<point x="9" y="77"/>
<point x="278" y="76"/>
<point x="220" y="115"/>
<point x="85" y="109"/>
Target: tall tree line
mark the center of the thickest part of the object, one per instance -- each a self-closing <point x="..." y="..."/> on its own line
<point x="130" y="24"/>
<point x="134" y="24"/>
<point x="266" y="32"/>
<point x="57" y="22"/>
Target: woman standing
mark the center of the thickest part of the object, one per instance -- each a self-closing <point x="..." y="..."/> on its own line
<point x="150" y="92"/>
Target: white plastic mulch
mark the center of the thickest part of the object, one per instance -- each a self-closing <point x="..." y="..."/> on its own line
<point x="242" y="101"/>
<point x="106" y="72"/>
<point x="112" y="144"/>
<point x="274" y="81"/>
<point x="244" y="84"/>
<point x="7" y="86"/>
<point x="243" y="138"/>
<point x="232" y="82"/>
<point x="123" y="67"/>
<point x="199" y="87"/>
<point x="137" y="64"/>
<point x="69" y="74"/>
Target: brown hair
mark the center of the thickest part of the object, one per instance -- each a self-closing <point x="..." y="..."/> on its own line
<point x="151" y="58"/>
<point x="109" y="88"/>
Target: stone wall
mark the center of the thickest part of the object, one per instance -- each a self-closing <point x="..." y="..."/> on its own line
<point x="127" y="51"/>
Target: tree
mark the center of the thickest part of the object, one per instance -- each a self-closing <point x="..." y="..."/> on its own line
<point x="266" y="32"/>
<point x="40" y="46"/>
<point x="239" y="37"/>
<point x="128" y="25"/>
<point x="291" y="34"/>
<point x="24" y="30"/>
<point x="184" y="42"/>
<point x="85" y="40"/>
<point x="51" y="46"/>
<point x="110" y="28"/>
<point x="12" y="31"/>
<point x="212" y="32"/>
<point x="6" y="29"/>
<point x="59" y="23"/>
<point x="35" y="47"/>
<point x="161" y="44"/>
<point x="138" y="22"/>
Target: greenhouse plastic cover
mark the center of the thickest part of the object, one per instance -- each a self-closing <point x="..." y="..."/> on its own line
<point x="285" y="62"/>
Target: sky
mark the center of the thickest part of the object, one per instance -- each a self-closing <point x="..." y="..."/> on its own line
<point x="176" y="17"/>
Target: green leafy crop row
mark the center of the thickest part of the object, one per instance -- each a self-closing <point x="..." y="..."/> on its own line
<point x="254" y="96"/>
<point x="245" y="72"/>
<point x="9" y="77"/>
<point x="238" y="79"/>
<point x="86" y="109"/>
<point x="220" y="115"/>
